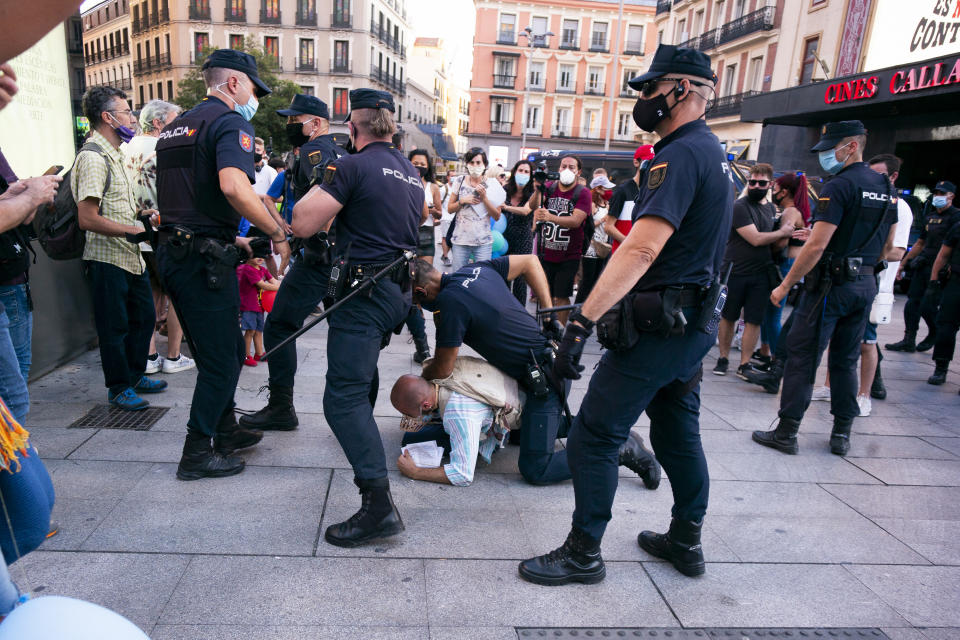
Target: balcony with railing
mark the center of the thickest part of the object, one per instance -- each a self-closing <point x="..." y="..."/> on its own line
<point x="599" y="45"/>
<point x="199" y="11"/>
<point x="341" y="66"/>
<point x="305" y="65"/>
<point x="570" y="42"/>
<point x="269" y="16"/>
<point x="594" y="89"/>
<point x="162" y="60"/>
<point x="663" y="6"/>
<point x="502" y="81"/>
<point x="562" y="89"/>
<point x="542" y="41"/>
<point x="235" y="14"/>
<point x="341" y="21"/>
<point x="154" y="19"/>
<point x="390" y="82"/>
<point x="729" y="105"/>
<point x="124" y="84"/>
<point x="141" y="66"/>
<point x="633" y="48"/>
<point x="760" y="20"/>
<point x="306" y="18"/>
<point x="507" y="37"/>
<point x="164" y="16"/>
<point x="501" y="127"/>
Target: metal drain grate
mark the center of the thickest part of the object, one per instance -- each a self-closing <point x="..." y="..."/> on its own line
<point x="107" y="416"/>
<point x="532" y="633"/>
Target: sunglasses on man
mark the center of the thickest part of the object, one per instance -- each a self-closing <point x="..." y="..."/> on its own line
<point x="758" y="183"/>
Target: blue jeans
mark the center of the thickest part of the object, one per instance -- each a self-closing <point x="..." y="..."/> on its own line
<point x="770" y="328"/>
<point x="461" y="254"/>
<point x="16" y="301"/>
<point x="13" y="386"/>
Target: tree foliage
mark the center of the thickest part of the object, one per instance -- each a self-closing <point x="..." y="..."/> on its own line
<point x="266" y="122"/>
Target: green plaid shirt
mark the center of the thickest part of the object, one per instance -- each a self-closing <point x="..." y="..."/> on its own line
<point x="118" y="204"/>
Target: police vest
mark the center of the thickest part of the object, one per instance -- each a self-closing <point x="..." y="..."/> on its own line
<point x="863" y="231"/>
<point x="188" y="193"/>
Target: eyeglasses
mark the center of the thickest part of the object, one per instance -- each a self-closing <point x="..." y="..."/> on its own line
<point x="126" y="112"/>
<point x="758" y="183"/>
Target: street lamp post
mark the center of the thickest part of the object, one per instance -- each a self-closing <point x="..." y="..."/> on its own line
<point x="528" y="34"/>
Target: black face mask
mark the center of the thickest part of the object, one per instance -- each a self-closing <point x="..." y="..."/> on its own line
<point x="423" y="171"/>
<point x="756" y="195"/>
<point x="649" y="113"/>
<point x="778" y="198"/>
<point x="295" y="134"/>
<point x="257" y="158"/>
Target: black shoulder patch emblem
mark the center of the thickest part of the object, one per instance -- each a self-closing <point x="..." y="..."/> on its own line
<point x="329" y="173"/>
<point x="315" y="157"/>
<point x="822" y="204"/>
<point x="656" y="175"/>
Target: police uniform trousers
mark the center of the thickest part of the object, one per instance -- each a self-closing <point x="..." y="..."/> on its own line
<point x="920" y="306"/>
<point x="301" y="290"/>
<point x="357" y="331"/>
<point x="662" y="377"/>
<point x="543" y="421"/>
<point x="948" y="320"/>
<point x="839" y="319"/>
<point x="209" y="319"/>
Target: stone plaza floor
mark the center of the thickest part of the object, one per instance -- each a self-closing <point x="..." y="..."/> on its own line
<point x="812" y="540"/>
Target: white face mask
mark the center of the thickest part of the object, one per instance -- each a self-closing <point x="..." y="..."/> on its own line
<point x="567" y="177"/>
<point x="475" y="171"/>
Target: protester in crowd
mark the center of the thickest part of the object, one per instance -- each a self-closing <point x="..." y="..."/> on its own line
<point x="598" y="250"/>
<point x="754" y="274"/>
<point x="252" y="279"/>
<point x="446" y="189"/>
<point x="563" y="231"/>
<point x="522" y="198"/>
<point x="141" y="163"/>
<point x="281" y="191"/>
<point x="122" y="300"/>
<point x="919" y="260"/>
<point x="426" y="245"/>
<point x="265" y="174"/>
<point x="620" y="215"/>
<point x="472" y="237"/>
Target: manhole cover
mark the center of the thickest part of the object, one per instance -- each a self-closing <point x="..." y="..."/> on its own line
<point x="734" y="633"/>
<point x="107" y="416"/>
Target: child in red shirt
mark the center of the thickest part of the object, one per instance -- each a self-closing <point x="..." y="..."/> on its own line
<point x="253" y="277"/>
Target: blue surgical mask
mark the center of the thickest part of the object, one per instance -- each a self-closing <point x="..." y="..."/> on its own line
<point x="829" y="162"/>
<point x="247" y="110"/>
<point x="522" y="179"/>
<point x="939" y="201"/>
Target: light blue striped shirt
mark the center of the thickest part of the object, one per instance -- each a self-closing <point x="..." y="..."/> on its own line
<point x="470" y="425"/>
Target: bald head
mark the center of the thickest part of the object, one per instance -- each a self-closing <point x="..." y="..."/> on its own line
<point x="413" y="395"/>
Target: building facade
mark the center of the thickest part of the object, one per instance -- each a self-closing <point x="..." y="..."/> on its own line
<point x="327" y="48"/>
<point x="106" y="46"/>
<point x="438" y="110"/>
<point x="546" y="73"/>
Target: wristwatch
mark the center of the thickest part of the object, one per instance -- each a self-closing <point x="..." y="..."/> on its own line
<point x="581" y="319"/>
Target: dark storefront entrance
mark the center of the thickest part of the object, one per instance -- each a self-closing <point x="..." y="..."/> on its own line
<point x="912" y="111"/>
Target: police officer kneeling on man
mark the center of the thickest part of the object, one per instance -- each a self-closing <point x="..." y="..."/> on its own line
<point x="659" y="291"/>
<point x="853" y="229"/>
<point x="205" y="172"/>
<point x="305" y="285"/>
<point x="376" y="198"/>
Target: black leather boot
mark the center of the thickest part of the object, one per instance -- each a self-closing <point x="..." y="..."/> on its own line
<point x="642" y="462"/>
<point x="578" y="560"/>
<point x="377" y="518"/>
<point x="940" y="373"/>
<point x="278" y="415"/>
<point x="877" y="389"/>
<point x="783" y="438"/>
<point x="199" y="460"/>
<point x="840" y="437"/>
<point x="423" y="350"/>
<point x="769" y="379"/>
<point x="680" y="546"/>
<point x="927" y="343"/>
<point x="231" y="437"/>
<point x="907" y="345"/>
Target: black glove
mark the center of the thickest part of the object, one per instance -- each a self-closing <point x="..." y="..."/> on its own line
<point x="567" y="363"/>
<point x="552" y="329"/>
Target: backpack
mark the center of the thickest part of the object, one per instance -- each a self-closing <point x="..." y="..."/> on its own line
<point x="57" y="225"/>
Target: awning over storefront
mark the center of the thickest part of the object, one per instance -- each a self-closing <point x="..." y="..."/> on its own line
<point x="917" y="89"/>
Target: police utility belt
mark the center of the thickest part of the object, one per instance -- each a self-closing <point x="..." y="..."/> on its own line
<point x="221" y="257"/>
<point x="659" y="312"/>
<point x="346" y="276"/>
<point x="833" y="272"/>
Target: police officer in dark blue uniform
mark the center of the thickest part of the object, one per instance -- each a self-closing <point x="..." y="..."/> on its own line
<point x="303" y="287"/>
<point x="204" y="184"/>
<point x="654" y="308"/>
<point x="376" y="197"/>
<point x="947" y="286"/>
<point x="853" y="229"/>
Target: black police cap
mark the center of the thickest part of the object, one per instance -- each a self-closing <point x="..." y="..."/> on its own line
<point x="310" y="105"/>
<point x="233" y="59"/>
<point x="833" y="132"/>
<point x="370" y="99"/>
<point x="672" y="59"/>
<point x="945" y="186"/>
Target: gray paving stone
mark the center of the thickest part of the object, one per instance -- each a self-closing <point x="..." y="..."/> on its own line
<point x="771" y="595"/>
<point x="137" y="446"/>
<point x="312" y="445"/>
<point x="299" y="591"/>
<point x="811" y="540"/>
<point x="940" y="633"/>
<point x="45" y="411"/>
<point x="925" y="596"/>
<point x="870" y="446"/>
<point x="942" y="473"/>
<point x="77" y="518"/>
<point x="948" y="444"/>
<point x="453" y="585"/>
<point x="768" y="465"/>
<point x="234" y="632"/>
<point x="134" y="585"/>
<point x="774" y="499"/>
<point x="94" y="479"/>
<point x="916" y="503"/>
<point x="473" y="633"/>
<point x="58" y="442"/>
<point x="936" y="540"/>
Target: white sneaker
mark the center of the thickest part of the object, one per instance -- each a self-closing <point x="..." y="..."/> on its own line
<point x="180" y="364"/>
<point x="821" y="393"/>
<point x="865" y="404"/>
<point x="154" y="366"/>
